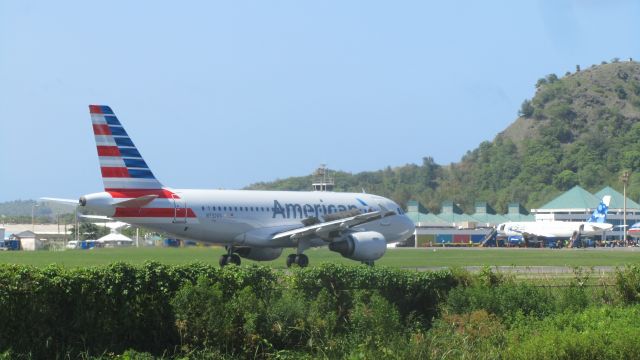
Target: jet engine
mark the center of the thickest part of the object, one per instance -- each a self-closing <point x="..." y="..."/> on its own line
<point x="258" y="254"/>
<point x="361" y="246"/>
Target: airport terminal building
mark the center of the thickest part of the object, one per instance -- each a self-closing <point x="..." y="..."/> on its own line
<point x="452" y="227"/>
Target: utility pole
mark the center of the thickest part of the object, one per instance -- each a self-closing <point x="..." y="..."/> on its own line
<point x="625" y="180"/>
<point x="77" y="228"/>
<point x="33" y="219"/>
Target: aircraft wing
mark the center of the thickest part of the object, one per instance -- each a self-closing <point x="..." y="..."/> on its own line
<point x="331" y="229"/>
<point x="538" y="234"/>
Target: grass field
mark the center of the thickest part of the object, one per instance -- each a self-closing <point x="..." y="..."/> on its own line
<point x="402" y="258"/>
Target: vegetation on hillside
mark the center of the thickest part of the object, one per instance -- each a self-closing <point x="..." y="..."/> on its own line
<point x="20" y="211"/>
<point x="581" y="129"/>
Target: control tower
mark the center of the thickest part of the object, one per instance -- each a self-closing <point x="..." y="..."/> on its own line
<point x="322" y="179"/>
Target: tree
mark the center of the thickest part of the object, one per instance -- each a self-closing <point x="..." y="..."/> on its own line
<point x="551" y="78"/>
<point x="565" y="180"/>
<point x="526" y="109"/>
<point x="541" y="82"/>
<point x="90" y="231"/>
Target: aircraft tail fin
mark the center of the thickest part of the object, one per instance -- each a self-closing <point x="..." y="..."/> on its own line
<point x="122" y="166"/>
<point x="600" y="213"/>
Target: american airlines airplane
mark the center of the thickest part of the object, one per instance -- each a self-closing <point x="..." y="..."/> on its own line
<point x="255" y="225"/>
<point x="595" y="225"/>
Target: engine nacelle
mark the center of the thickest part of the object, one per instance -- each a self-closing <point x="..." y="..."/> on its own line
<point x="258" y="254"/>
<point x="361" y="246"/>
<point x="100" y="203"/>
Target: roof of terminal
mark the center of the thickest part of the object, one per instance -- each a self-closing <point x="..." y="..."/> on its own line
<point x="575" y="198"/>
<point x="617" y="199"/>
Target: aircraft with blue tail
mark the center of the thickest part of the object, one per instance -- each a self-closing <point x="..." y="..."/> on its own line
<point x="595" y="225"/>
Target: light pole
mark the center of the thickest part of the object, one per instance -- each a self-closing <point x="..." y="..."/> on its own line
<point x="625" y="180"/>
<point x="33" y="219"/>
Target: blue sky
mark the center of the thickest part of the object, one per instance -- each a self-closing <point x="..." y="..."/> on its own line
<point x="224" y="94"/>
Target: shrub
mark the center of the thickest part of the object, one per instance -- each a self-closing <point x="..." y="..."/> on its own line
<point x="372" y="318"/>
<point x="417" y="293"/>
<point x="506" y="300"/>
<point x="477" y="334"/>
<point x="595" y="333"/>
<point x="628" y="284"/>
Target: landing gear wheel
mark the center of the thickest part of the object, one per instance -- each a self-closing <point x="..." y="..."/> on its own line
<point x="368" y="263"/>
<point x="291" y="259"/>
<point x="224" y="260"/>
<point x="302" y="260"/>
<point x="235" y="259"/>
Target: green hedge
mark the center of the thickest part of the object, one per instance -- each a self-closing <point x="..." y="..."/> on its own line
<point x="414" y="293"/>
<point x="331" y="311"/>
<point x="159" y="308"/>
<point x="113" y="308"/>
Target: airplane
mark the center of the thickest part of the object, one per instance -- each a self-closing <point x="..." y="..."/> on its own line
<point x="634" y="230"/>
<point x="251" y="224"/>
<point x="595" y="225"/>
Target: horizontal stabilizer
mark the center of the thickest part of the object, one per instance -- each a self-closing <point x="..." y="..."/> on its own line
<point x="69" y="202"/>
<point x="96" y="217"/>
<point x="137" y="202"/>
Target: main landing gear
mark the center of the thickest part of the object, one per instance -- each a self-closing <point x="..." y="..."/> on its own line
<point x="299" y="259"/>
<point x="229" y="258"/>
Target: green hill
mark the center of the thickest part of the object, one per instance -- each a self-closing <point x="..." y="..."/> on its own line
<point x="19" y="211"/>
<point x="583" y="128"/>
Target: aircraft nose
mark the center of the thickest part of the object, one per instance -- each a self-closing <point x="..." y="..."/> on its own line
<point x="406" y="226"/>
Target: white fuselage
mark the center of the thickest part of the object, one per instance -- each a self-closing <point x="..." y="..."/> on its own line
<point x="251" y="217"/>
<point x="552" y="229"/>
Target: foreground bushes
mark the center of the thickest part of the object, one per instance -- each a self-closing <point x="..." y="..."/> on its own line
<point x="57" y="311"/>
<point x="159" y="308"/>
<point x="330" y="311"/>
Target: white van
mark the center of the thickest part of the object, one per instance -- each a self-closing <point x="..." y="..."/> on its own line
<point x="73" y="244"/>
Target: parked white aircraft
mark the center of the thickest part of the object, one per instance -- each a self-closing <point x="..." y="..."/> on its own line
<point x="251" y="224"/>
<point x="595" y="225"/>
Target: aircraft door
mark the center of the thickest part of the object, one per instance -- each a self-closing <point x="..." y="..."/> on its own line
<point x="179" y="209"/>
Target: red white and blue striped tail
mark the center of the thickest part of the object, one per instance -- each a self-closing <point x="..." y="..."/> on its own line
<point x="123" y="168"/>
